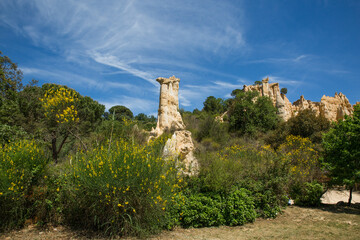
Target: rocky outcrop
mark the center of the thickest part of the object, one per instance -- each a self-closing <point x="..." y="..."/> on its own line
<point x="169" y="117"/>
<point x="335" y="108"/>
<point x="180" y="145"/>
<point x="278" y="99"/>
<point x="332" y="108"/>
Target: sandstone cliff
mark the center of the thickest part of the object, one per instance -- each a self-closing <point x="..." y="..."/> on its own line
<point x="332" y="108"/>
<point x="180" y="145"/>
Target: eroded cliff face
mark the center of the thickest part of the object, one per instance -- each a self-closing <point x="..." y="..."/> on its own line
<point x="169" y="119"/>
<point x="332" y="108"/>
<point x="279" y="100"/>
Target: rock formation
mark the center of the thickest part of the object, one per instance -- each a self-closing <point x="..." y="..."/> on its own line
<point x="278" y="99"/>
<point x="181" y="145"/>
<point x="169" y="119"/>
<point x="332" y="108"/>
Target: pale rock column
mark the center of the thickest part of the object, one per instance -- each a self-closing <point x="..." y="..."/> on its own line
<point x="265" y="86"/>
<point x="180" y="145"/>
<point x="169" y="117"/>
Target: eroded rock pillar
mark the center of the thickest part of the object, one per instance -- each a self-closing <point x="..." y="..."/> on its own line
<point x="180" y="145"/>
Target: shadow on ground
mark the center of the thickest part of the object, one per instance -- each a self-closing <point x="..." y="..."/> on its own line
<point x="341" y="207"/>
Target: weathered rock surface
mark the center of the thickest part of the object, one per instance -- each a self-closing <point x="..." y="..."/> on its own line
<point x="181" y="145"/>
<point x="332" y="108"/>
<point x="169" y="119"/>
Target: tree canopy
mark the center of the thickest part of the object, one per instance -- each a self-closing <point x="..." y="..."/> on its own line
<point x="342" y="151"/>
<point x="284" y="91"/>
<point x="250" y="113"/>
<point x="10" y="84"/>
<point x="121" y="112"/>
<point x="214" y="105"/>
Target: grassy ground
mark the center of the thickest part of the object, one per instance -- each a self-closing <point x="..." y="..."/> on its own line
<point x="325" y="222"/>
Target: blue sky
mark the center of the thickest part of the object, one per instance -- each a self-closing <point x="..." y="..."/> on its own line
<point x="114" y="50"/>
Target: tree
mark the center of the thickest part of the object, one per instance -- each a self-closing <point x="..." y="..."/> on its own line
<point x="258" y="82"/>
<point x="67" y="115"/>
<point x="342" y="151"/>
<point x="121" y="112"/>
<point x="308" y="125"/>
<point x="251" y="113"/>
<point x="214" y="105"/>
<point x="305" y="124"/>
<point x="10" y="84"/>
<point x="235" y="92"/>
<point x="284" y="91"/>
<point x="147" y="122"/>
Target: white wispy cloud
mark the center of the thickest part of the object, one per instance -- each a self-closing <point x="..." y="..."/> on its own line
<point x="78" y="80"/>
<point x="116" y="32"/>
<point x="289" y="60"/>
<point x="132" y="37"/>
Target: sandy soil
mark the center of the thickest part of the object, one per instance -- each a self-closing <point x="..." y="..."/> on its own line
<point x="335" y="196"/>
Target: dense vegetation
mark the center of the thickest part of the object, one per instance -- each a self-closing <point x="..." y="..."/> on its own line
<point x="64" y="160"/>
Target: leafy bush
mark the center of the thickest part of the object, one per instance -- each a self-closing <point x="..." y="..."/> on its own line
<point x="10" y="134"/>
<point x="258" y="169"/>
<point x="307" y="194"/>
<point x="212" y="128"/>
<point x="22" y="166"/>
<point x="239" y="208"/>
<point x="212" y="209"/>
<point x="124" y="189"/>
<point x="200" y="210"/>
<point x="305" y="124"/>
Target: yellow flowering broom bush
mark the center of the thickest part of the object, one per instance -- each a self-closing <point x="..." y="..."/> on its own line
<point x="124" y="189"/>
<point x="22" y="166"/>
<point x="305" y="171"/>
<point x="302" y="157"/>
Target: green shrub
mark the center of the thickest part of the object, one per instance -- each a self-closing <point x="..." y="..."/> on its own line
<point x="22" y="166"/>
<point x="122" y="190"/>
<point x="205" y="210"/>
<point x="239" y="208"/>
<point x="307" y="194"/>
<point x="258" y="169"/>
<point x="211" y="128"/>
<point x="10" y="134"/>
<point x="202" y="211"/>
